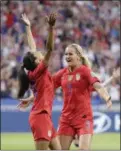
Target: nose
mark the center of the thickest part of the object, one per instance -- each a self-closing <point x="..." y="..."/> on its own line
<point x="67" y="56"/>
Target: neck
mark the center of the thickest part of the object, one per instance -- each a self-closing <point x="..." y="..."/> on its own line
<point x="72" y="68"/>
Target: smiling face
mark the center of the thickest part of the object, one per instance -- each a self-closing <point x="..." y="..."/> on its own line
<point x="72" y="58"/>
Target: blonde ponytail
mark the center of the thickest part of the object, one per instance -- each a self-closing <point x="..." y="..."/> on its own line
<point x="85" y="61"/>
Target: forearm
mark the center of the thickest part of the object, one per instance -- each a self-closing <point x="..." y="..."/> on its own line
<point x="49" y="44"/>
<point x="30" y="39"/>
<point x="107" y="81"/>
<point x="101" y="91"/>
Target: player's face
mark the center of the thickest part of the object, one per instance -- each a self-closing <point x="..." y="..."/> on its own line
<point x="71" y="57"/>
<point x="38" y="57"/>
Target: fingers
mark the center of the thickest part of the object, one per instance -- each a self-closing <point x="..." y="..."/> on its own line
<point x="51" y="19"/>
<point x="116" y="73"/>
<point x="23" y="100"/>
<point x="53" y="16"/>
<point x="47" y="19"/>
<point x="19" y="106"/>
<point x="109" y="105"/>
<point x="24" y="17"/>
<point x="22" y="103"/>
<point x="22" y="106"/>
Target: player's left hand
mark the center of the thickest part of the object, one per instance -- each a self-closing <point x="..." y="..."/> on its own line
<point x="23" y="104"/>
<point x="116" y="73"/>
<point x="51" y="19"/>
<point x="109" y="104"/>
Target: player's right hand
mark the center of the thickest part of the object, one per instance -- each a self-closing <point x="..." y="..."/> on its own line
<point x="25" y="20"/>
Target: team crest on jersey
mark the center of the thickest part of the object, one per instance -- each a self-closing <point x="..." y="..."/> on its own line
<point x="70" y="77"/>
<point x="78" y="77"/>
<point x="49" y="133"/>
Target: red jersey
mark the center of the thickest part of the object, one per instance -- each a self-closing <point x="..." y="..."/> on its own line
<point x="42" y="86"/>
<point x="76" y="91"/>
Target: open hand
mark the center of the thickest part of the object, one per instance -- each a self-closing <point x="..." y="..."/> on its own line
<point x="25" y="19"/>
<point x="109" y="104"/>
<point x="51" y="19"/>
<point x="116" y="73"/>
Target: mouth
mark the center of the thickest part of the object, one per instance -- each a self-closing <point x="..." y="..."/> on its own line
<point x="68" y="60"/>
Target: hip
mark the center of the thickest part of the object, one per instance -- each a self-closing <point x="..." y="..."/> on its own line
<point x="72" y="120"/>
<point x="39" y="117"/>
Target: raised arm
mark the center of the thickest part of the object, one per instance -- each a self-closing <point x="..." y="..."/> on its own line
<point x="29" y="35"/>
<point x="50" y="41"/>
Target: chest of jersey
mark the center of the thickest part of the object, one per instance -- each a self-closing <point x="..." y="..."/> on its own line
<point x="74" y="81"/>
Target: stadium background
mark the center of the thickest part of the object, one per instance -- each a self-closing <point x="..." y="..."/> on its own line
<point x="95" y="25"/>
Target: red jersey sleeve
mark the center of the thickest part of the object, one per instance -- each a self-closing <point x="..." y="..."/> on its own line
<point x="91" y="79"/>
<point x="57" y="78"/>
<point x="37" y="71"/>
<point x="91" y="87"/>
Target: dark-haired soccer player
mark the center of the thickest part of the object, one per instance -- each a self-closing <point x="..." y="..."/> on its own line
<point x="34" y="73"/>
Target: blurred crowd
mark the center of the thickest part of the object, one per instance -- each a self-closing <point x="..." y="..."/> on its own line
<point x="95" y="25"/>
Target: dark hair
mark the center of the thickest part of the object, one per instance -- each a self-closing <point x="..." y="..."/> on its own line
<point x="29" y="64"/>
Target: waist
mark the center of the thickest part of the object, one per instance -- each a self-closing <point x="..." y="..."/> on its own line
<point x="41" y="108"/>
<point x="75" y="119"/>
<point x="72" y="112"/>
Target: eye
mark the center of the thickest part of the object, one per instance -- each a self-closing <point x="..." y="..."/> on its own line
<point x="70" y="54"/>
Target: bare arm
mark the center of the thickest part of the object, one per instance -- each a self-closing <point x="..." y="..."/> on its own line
<point x="103" y="93"/>
<point x="49" y="45"/>
<point x="29" y="35"/>
<point x="116" y="75"/>
<point x="24" y="103"/>
<point x="50" y="41"/>
<point x="107" y="82"/>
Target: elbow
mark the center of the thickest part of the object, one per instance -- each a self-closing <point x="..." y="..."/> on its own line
<point x="97" y="86"/>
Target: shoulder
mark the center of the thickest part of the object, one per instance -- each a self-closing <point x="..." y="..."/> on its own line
<point x="59" y="73"/>
<point x="62" y="71"/>
<point x="84" y="69"/>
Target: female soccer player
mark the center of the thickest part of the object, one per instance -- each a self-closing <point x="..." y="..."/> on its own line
<point x="38" y="77"/>
<point x="76" y="116"/>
